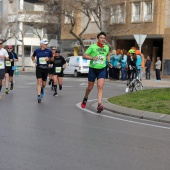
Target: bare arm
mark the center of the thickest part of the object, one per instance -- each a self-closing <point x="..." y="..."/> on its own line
<point x="88" y="57"/>
<point x="33" y="58"/>
<point x="108" y="59"/>
<point x="64" y="66"/>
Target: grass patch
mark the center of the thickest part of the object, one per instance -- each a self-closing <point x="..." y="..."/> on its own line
<point x="153" y="100"/>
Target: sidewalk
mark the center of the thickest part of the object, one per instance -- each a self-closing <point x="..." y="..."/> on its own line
<point x="139" y="113"/>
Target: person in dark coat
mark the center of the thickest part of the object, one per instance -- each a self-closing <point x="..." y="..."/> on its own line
<point x="147" y="67"/>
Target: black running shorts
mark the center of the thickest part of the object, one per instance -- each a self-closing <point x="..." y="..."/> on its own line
<point x="9" y="71"/>
<point x="42" y="73"/>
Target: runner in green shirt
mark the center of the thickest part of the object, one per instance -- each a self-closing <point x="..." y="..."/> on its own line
<point x="97" y="53"/>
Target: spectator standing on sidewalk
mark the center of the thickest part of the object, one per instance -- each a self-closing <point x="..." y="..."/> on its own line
<point x="117" y="64"/>
<point x="111" y="71"/>
<point x="138" y="62"/>
<point x="142" y="67"/>
<point x="147" y="67"/>
<point x="158" y="68"/>
<point x="124" y="65"/>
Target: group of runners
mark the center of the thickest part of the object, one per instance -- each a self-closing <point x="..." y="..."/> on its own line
<point x="7" y="59"/>
<point x="48" y="62"/>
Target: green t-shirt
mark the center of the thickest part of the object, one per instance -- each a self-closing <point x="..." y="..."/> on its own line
<point x="94" y="50"/>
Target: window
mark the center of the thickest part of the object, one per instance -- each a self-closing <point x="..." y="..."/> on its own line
<point x="27" y="50"/>
<point x="38" y="7"/>
<point x="142" y="11"/>
<point x="117" y="14"/>
<point x="136" y="11"/>
<point x="67" y="19"/>
<point x="147" y="11"/>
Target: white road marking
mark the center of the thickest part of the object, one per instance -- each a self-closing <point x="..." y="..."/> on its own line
<point x="83" y="84"/>
<point x="112" y="117"/>
<point x="162" y="116"/>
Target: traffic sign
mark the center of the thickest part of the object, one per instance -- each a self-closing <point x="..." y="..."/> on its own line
<point x="140" y="39"/>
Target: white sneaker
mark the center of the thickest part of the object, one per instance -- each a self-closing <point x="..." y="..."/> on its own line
<point x="127" y="89"/>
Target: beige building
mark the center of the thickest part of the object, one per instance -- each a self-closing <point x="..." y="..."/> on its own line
<point x="130" y="17"/>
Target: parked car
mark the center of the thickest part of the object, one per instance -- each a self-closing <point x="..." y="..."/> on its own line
<point x="76" y="65"/>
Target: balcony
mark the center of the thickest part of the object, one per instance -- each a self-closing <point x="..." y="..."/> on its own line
<point x="32" y="16"/>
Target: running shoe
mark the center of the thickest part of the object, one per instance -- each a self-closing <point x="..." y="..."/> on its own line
<point x="7" y="91"/>
<point x="60" y="87"/>
<point x="12" y="86"/>
<point x="55" y="94"/>
<point x="84" y="102"/>
<point x="39" y="99"/>
<point x="99" y="108"/>
<point x="42" y="93"/>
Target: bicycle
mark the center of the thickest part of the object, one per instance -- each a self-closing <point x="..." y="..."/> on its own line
<point x="134" y="84"/>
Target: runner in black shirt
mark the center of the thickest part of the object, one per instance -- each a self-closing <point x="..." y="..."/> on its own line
<point x="9" y="67"/>
<point x="59" y="65"/>
<point x="51" y="69"/>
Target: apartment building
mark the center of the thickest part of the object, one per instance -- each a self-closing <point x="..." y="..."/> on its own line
<point x="24" y="23"/>
<point x="146" y="17"/>
<point x="124" y="19"/>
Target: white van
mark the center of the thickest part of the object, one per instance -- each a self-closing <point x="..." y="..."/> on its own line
<point x="76" y="65"/>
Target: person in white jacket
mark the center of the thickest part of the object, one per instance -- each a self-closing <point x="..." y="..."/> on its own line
<point x="158" y="68"/>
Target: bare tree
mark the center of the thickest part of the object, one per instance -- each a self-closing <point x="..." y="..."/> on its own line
<point x="8" y="30"/>
<point x="71" y="13"/>
<point x="51" y="20"/>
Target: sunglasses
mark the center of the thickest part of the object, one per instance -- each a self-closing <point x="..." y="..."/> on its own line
<point x="53" y="49"/>
<point x="9" y="48"/>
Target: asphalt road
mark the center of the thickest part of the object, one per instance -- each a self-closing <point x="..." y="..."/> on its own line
<point x="58" y="135"/>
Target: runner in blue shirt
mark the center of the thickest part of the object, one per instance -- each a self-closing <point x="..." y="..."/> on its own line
<point x="41" y="57"/>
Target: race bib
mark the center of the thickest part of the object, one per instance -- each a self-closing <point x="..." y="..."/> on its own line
<point x="8" y="63"/>
<point x="58" y="69"/>
<point x="100" y="60"/>
<point x="42" y="60"/>
<point x="2" y="65"/>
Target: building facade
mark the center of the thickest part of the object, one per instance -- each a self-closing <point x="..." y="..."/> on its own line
<point x="124" y="19"/>
<point x="25" y="23"/>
